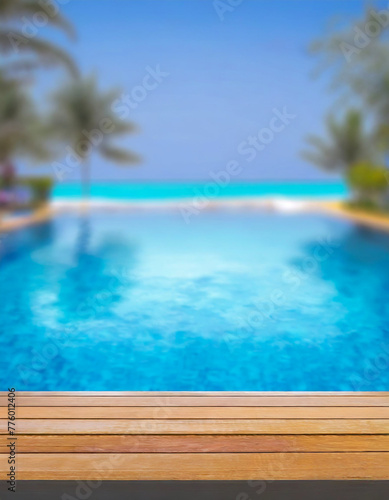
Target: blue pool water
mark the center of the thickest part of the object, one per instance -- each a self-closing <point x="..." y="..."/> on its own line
<point x="163" y="191"/>
<point x="232" y="301"/>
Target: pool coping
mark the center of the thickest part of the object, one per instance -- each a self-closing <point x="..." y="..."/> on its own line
<point x="19" y="222"/>
<point x="375" y="221"/>
<point x="334" y="208"/>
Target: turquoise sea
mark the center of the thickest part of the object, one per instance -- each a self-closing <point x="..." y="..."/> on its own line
<point x="166" y="191"/>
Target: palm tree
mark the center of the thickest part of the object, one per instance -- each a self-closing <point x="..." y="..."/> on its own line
<point x="20" y="127"/>
<point x="15" y="39"/>
<point x="347" y="144"/>
<point x="84" y="120"/>
<point x="354" y="60"/>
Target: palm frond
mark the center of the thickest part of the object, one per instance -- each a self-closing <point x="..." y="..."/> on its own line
<point x="13" y="41"/>
<point x="346" y="143"/>
<point x="82" y="111"/>
<point x="15" y="10"/>
<point x="48" y="53"/>
<point x="21" y="130"/>
<point x="118" y="155"/>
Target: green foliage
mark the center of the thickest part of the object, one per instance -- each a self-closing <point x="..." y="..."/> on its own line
<point x="21" y="130"/>
<point x="347" y="142"/>
<point x="40" y="187"/>
<point x="84" y="120"/>
<point x="84" y="114"/>
<point x="80" y="107"/>
<point x="365" y="176"/>
<point x="369" y="182"/>
<point x="31" y="50"/>
<point x="365" y="205"/>
<point x="359" y="66"/>
<point x="356" y="61"/>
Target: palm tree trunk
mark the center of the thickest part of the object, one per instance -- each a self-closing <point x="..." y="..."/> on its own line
<point x="86" y="180"/>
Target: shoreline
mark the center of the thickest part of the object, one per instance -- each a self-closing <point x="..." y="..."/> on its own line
<point x="332" y="207"/>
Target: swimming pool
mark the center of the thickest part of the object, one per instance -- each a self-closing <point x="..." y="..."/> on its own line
<point x="233" y="301"/>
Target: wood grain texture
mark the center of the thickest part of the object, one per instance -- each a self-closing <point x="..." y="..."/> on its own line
<point x="258" y="426"/>
<point x="189" y="436"/>
<point x="197" y="444"/>
<point x="208" y="466"/>
<point x="198" y="412"/>
<point x="219" y="401"/>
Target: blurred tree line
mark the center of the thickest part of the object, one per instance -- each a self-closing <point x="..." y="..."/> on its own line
<point x="77" y="107"/>
<point x="356" y="56"/>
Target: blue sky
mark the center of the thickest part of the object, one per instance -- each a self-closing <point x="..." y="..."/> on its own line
<point x="225" y="78"/>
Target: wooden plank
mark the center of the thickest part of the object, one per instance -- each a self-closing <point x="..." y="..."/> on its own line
<point x="199" y="436"/>
<point x="202" y="466"/>
<point x="257" y="426"/>
<point x="197" y="444"/>
<point x="198" y="412"/>
<point x="282" y="401"/>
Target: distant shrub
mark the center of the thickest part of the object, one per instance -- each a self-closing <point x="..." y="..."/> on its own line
<point x="40" y="188"/>
<point x="369" y="182"/>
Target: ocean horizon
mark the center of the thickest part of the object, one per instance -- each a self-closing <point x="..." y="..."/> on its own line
<point x="175" y="190"/>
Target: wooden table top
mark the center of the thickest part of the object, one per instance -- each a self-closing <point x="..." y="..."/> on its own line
<point x="198" y="436"/>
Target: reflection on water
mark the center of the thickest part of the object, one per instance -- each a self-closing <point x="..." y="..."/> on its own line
<point x="357" y="268"/>
<point x="18" y="244"/>
<point x="94" y="283"/>
<point x="20" y="277"/>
